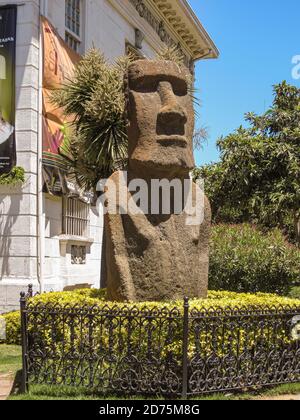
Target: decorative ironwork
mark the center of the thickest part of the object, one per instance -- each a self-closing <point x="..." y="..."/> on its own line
<point x="235" y="349"/>
<point x="172" y="352"/>
<point x="118" y="350"/>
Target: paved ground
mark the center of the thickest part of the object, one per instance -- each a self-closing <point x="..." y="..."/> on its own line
<point x="6" y="384"/>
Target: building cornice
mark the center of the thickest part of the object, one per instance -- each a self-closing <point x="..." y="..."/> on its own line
<point x="130" y="14"/>
<point x="148" y="11"/>
<point x="188" y="28"/>
<point x="176" y="18"/>
<point x="169" y="22"/>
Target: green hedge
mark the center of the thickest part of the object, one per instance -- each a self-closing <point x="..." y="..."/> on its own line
<point x="98" y="298"/>
<point x="245" y="259"/>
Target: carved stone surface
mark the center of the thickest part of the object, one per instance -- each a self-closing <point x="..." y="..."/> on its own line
<point x="154" y="257"/>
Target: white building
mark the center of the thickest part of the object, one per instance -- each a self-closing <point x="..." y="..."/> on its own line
<point x="40" y="242"/>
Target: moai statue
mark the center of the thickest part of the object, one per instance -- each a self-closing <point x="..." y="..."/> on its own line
<point x="158" y="255"/>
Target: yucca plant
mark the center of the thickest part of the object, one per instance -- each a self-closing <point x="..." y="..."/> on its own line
<point x="95" y="143"/>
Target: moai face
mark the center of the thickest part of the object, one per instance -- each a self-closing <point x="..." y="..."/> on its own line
<point x="161" y="118"/>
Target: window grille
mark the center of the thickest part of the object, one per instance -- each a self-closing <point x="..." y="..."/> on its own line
<point x="73" y="17"/>
<point x="76" y="217"/>
<point x="72" y="42"/>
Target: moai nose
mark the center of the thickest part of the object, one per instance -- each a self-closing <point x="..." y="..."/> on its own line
<point x="171" y="110"/>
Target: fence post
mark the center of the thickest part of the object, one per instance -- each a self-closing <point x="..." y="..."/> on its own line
<point x="185" y="348"/>
<point x="30" y="291"/>
<point x="24" y="381"/>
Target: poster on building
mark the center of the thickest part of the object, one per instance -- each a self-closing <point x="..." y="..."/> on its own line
<point x="59" y="65"/>
<point x="8" y="27"/>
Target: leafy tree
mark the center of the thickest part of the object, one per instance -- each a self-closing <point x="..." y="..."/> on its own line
<point x="258" y="177"/>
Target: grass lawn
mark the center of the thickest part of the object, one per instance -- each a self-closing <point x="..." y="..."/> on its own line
<point x="63" y="393"/>
<point x="10" y="359"/>
<point x="10" y="363"/>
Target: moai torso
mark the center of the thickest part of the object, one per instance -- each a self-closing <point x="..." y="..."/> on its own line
<point x="154" y="257"/>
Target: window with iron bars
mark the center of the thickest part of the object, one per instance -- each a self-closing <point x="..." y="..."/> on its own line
<point x="76" y="217"/>
<point x="73" y="16"/>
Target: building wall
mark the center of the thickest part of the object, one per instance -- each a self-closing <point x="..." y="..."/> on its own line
<point x="113" y="22"/>
<point x="59" y="270"/>
<point x="112" y="29"/>
<point x="18" y="250"/>
<point x="116" y="21"/>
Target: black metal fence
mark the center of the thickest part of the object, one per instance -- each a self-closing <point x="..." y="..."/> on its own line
<point x="152" y="351"/>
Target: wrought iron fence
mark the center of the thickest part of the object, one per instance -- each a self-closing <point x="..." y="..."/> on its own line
<point x="152" y="351"/>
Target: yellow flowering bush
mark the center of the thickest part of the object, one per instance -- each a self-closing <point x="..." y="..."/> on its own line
<point x="13" y="328"/>
<point x="97" y="298"/>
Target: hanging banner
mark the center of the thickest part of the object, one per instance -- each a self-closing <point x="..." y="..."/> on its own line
<point x="59" y="65"/>
<point x="8" y="27"/>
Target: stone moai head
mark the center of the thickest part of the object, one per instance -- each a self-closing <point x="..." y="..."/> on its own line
<point x="161" y="118"/>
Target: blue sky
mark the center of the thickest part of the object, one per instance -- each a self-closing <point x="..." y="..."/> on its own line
<point x="257" y="40"/>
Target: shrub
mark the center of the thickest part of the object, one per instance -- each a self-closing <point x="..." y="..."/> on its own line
<point x="13" y="328"/>
<point x="245" y="259"/>
<point x="77" y="297"/>
<point x="295" y="293"/>
<point x="14" y="177"/>
<point x="98" y="298"/>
